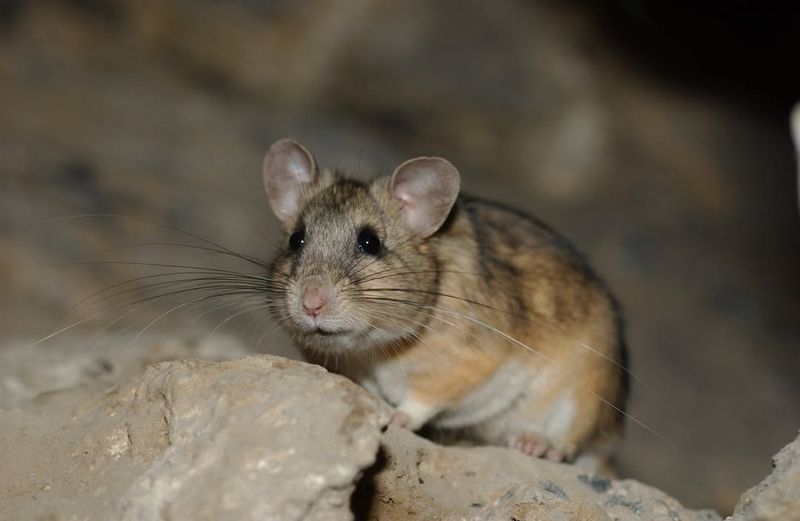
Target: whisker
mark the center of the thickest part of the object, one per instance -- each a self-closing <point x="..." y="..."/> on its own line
<point x="95" y="298"/>
<point x="385" y="274"/>
<point x="176" y="308"/>
<point x="212" y="309"/>
<point x="187" y="246"/>
<point x="251" y="308"/>
<point x="63" y="329"/>
<point x="134" y="263"/>
<point x="412" y="332"/>
<point x="242" y="256"/>
<point x="350" y="274"/>
<point x="520" y="317"/>
<point x="233" y="290"/>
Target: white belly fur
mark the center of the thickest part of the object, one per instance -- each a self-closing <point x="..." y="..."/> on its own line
<point x="503" y="405"/>
<point x="497" y="394"/>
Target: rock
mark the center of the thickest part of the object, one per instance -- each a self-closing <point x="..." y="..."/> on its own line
<point x="264" y="437"/>
<point x="96" y="363"/>
<point x="261" y="437"/>
<point x="778" y="496"/>
<point x="417" y="479"/>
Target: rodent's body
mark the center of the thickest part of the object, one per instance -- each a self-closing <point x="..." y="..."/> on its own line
<point x="490" y="324"/>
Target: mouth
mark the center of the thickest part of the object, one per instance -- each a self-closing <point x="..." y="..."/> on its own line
<point x="332" y="332"/>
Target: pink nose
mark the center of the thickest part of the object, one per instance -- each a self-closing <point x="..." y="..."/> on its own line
<point x="314" y="302"/>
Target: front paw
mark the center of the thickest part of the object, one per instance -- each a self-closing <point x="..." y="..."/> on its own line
<point x="412" y="414"/>
<point x="400" y="419"/>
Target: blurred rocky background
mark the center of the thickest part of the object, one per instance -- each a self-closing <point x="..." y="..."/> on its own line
<point x="652" y="134"/>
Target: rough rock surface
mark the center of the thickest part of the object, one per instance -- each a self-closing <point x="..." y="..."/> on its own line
<point x="777" y="498"/>
<point x="264" y="437"/>
<point x="96" y="363"/>
<point x="260" y="437"/>
<point x="417" y="479"/>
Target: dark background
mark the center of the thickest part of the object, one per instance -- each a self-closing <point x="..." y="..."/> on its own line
<point x="653" y="134"/>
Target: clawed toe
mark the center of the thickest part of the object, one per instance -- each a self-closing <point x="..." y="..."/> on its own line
<point x="536" y="446"/>
<point x="530" y="444"/>
<point x="554" y="454"/>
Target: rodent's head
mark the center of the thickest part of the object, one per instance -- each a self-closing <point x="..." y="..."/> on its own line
<point x="355" y="270"/>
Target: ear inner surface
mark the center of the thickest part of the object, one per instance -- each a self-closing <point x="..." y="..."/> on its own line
<point x="426" y="188"/>
<point x="288" y="170"/>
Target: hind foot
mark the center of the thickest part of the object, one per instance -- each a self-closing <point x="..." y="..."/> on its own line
<point x="536" y="446"/>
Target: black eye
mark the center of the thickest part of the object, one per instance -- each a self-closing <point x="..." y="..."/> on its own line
<point x="368" y="242"/>
<point x="297" y="239"/>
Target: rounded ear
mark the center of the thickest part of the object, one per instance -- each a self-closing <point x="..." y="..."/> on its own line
<point x="288" y="170"/>
<point x="426" y="188"/>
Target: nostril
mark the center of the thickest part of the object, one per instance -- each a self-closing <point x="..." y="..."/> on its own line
<point x="314" y="303"/>
<point x="313" y="309"/>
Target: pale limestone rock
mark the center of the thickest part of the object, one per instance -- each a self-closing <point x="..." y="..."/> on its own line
<point x="28" y="369"/>
<point x="264" y="437"/>
<point x="260" y="437"/>
<point x="777" y="498"/>
<point x="417" y="479"/>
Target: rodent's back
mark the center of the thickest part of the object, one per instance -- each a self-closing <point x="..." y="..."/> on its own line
<point x="527" y="268"/>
